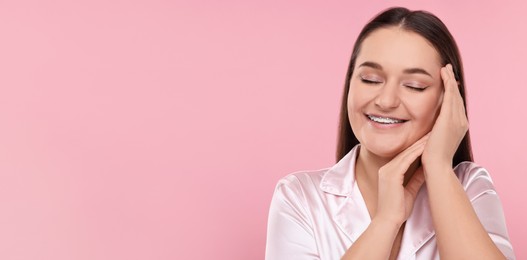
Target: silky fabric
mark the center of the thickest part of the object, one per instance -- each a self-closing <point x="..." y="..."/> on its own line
<point x="320" y="214"/>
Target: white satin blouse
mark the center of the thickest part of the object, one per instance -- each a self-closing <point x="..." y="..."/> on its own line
<point x="319" y="214"/>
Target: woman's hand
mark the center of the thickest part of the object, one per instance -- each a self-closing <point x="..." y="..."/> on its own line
<point x="394" y="204"/>
<point x="396" y="201"/>
<point x="460" y="234"/>
<point x="450" y="127"/>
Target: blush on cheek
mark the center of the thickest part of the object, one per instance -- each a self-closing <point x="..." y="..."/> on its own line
<point x="430" y="122"/>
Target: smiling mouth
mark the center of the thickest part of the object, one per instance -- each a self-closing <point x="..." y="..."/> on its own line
<point x="385" y="120"/>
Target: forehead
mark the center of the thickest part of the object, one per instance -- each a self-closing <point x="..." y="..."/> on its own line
<point x="397" y="48"/>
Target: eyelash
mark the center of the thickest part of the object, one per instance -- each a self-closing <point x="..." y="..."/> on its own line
<point x="416" y="89"/>
<point x="371" y="82"/>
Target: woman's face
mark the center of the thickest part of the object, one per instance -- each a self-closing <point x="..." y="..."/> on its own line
<point x="395" y="91"/>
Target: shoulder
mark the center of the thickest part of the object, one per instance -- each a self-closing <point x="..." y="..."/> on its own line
<point x="294" y="195"/>
<point x="291" y="229"/>
<point x="475" y="179"/>
<point x="301" y="181"/>
<point x="301" y="189"/>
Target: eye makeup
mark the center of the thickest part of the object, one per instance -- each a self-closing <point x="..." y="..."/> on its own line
<point x="415" y="85"/>
<point x="370" y="79"/>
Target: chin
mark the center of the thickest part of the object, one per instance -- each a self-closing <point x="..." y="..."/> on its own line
<point x="384" y="150"/>
<point x="384" y="153"/>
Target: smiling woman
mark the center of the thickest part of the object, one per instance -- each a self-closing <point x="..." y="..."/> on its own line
<point x="393" y="100"/>
<point x="403" y="123"/>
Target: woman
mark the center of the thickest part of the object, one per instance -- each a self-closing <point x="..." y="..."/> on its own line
<point x="403" y="124"/>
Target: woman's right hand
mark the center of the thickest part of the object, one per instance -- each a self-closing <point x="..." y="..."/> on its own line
<point x="396" y="201"/>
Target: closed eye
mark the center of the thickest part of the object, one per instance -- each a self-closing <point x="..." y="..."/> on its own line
<point x="372" y="82"/>
<point x="419" y="89"/>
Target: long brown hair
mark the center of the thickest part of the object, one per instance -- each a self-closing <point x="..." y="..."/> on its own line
<point x="432" y="29"/>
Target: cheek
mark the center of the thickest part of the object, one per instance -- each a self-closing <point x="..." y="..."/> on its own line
<point x="426" y="111"/>
<point x="358" y="100"/>
<point x="354" y="108"/>
<point x="351" y="108"/>
<point x="355" y="102"/>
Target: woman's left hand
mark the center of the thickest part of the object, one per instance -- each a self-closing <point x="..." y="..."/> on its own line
<point x="450" y="127"/>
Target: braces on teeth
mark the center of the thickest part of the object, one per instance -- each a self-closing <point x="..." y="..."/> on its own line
<point x="384" y="120"/>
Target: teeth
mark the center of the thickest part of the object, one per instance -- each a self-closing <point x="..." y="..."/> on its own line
<point x="384" y="120"/>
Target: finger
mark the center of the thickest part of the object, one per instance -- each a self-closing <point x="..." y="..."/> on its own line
<point x="446" y="87"/>
<point x="453" y="87"/>
<point x="452" y="96"/>
<point x="404" y="160"/>
<point x="452" y="74"/>
<point x="414" y="146"/>
<point x="415" y="183"/>
<point x="457" y="90"/>
<point x="444" y="75"/>
<point x="417" y="143"/>
<point x="449" y="80"/>
<point x="409" y="158"/>
<point x="454" y="84"/>
<point x="423" y="139"/>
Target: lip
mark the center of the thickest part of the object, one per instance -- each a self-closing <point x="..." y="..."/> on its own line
<point x="384" y="126"/>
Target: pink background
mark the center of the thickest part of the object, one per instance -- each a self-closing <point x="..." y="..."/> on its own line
<point x="158" y="129"/>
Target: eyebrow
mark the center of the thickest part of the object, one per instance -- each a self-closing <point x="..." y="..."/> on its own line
<point x="406" y="71"/>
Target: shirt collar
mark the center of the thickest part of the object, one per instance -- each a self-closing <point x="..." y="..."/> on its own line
<point x="340" y="179"/>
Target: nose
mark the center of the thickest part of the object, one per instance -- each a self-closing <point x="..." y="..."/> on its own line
<point x="388" y="97"/>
